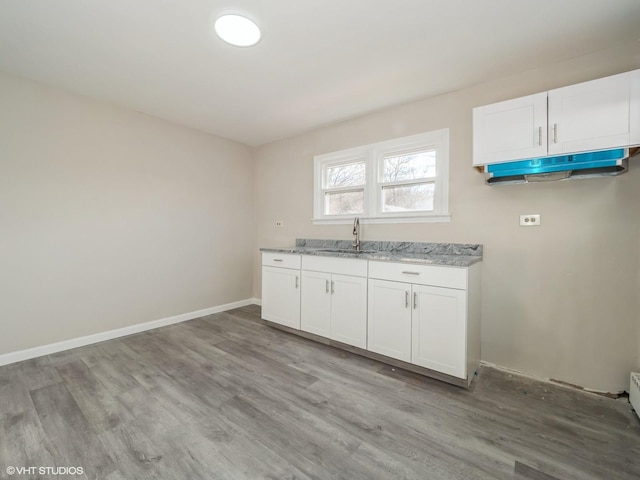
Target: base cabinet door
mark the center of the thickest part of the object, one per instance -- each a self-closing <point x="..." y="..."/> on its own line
<point x="439" y="329"/>
<point x="389" y="324"/>
<point x="349" y="310"/>
<point x="281" y="296"/>
<point x="316" y="303"/>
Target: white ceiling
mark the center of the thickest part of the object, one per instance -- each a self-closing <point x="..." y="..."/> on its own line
<point x="319" y="61"/>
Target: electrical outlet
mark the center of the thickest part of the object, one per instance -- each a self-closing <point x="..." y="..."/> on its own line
<point x="279" y="224"/>
<point x="532" y="220"/>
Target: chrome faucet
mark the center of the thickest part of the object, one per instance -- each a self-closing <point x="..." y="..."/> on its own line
<point x="356" y="232"/>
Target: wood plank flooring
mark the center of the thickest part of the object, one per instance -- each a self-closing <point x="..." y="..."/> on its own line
<point x="227" y="397"/>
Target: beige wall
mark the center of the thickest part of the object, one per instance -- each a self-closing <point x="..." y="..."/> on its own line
<point x="110" y="218"/>
<point x="559" y="301"/>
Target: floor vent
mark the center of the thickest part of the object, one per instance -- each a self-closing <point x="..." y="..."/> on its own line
<point x="634" y="392"/>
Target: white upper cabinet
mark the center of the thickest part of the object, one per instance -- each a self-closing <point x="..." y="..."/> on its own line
<point x="596" y="115"/>
<point x="634" y="112"/>
<point x="512" y="129"/>
<point x="590" y="116"/>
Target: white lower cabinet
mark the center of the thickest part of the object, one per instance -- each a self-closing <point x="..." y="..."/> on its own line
<point x="334" y="305"/>
<point x="315" y="312"/>
<point x="349" y="310"/>
<point x="431" y="320"/>
<point x="438" y="329"/>
<point x="425" y="315"/>
<point x="419" y="324"/>
<point x="389" y="323"/>
<point x="281" y="289"/>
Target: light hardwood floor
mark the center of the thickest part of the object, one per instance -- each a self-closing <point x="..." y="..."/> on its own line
<point x="226" y="397"/>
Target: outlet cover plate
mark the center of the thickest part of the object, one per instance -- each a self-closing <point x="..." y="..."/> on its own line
<point x="531" y="220"/>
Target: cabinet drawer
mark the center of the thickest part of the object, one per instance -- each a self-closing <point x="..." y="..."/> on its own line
<point x="343" y="266"/>
<point x="284" y="260"/>
<point x="435" y="275"/>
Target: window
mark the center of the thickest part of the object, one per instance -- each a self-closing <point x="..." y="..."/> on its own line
<point x="344" y="188"/>
<point x="400" y="180"/>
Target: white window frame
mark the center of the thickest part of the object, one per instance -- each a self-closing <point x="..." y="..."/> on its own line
<point x="373" y="155"/>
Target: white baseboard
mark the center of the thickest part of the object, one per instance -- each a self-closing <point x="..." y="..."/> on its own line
<point x="256" y="301"/>
<point x="34" y="352"/>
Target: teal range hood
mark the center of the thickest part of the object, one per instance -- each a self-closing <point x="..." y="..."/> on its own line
<point x="579" y="165"/>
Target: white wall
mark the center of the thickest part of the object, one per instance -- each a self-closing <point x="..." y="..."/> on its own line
<point x="110" y="218"/>
<point x="559" y="301"/>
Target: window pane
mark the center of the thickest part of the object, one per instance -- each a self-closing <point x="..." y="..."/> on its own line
<point x="408" y="198"/>
<point x="342" y="203"/>
<point x="409" y="167"/>
<point x="349" y="175"/>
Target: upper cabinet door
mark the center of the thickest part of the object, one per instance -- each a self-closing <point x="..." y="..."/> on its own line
<point x="510" y="130"/>
<point x="634" y="109"/>
<point x="590" y="116"/>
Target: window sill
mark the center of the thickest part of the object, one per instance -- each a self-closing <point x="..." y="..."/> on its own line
<point x="383" y="220"/>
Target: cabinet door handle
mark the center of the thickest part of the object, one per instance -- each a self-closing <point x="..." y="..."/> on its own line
<point x="415" y="300"/>
<point x="540" y="136"/>
<point x="297" y="281"/>
<point x="326" y="286"/>
<point x="333" y="287"/>
<point x="411" y="273"/>
<point x="406" y="299"/>
<point x="278" y="260"/>
<point x="555" y="133"/>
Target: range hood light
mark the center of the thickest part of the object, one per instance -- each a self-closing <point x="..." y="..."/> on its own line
<point x="545" y="169"/>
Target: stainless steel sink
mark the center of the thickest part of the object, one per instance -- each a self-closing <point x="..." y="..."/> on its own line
<point x="350" y="251"/>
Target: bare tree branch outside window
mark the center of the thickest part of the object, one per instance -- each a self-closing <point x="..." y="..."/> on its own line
<point x="345" y="202"/>
<point x="418" y="196"/>
<point x="349" y="175"/>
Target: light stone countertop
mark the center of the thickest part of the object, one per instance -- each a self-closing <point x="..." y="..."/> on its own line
<point x="451" y="254"/>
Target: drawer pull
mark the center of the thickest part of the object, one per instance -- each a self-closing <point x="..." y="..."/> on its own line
<point x="326" y="286"/>
<point x="415" y="300"/>
<point x="278" y="260"/>
<point x="406" y="299"/>
<point x="406" y="272"/>
<point x="297" y="281"/>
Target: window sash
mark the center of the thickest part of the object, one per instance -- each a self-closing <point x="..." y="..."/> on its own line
<point x="373" y="156"/>
<point x="404" y="153"/>
<point x="350" y="214"/>
<point x="408" y="182"/>
<point x="412" y="212"/>
<point x="351" y="161"/>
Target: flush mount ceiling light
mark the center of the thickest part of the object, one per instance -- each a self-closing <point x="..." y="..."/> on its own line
<point x="237" y="30"/>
